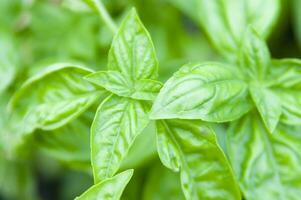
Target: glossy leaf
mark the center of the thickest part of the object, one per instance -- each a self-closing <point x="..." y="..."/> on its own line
<point x="268" y="106"/>
<point x="267" y="166"/>
<point x="254" y="56"/>
<point x="191" y="147"/>
<point x="285" y="81"/>
<point x="109" y="189"/>
<point x="225" y="21"/>
<point x="132" y="52"/>
<point x="209" y="91"/>
<point x="118" y="121"/>
<point x="117" y="83"/>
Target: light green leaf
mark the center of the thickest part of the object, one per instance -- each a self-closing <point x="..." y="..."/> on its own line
<point x="268" y="106"/>
<point x="209" y="91"/>
<point x="8" y="61"/>
<point x="225" y="21"/>
<point x="50" y="100"/>
<point x="285" y="81"/>
<point x="132" y="52"/>
<point x="118" y="121"/>
<point x="191" y="147"/>
<point x="54" y="97"/>
<point x="254" y="57"/>
<point x="109" y="189"/>
<point x="117" y="83"/>
<point x="266" y="165"/>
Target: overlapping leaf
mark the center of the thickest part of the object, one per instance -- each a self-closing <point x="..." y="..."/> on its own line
<point x="117" y="123"/>
<point x="190" y="146"/>
<point x="267" y="166"/>
<point x="51" y="99"/>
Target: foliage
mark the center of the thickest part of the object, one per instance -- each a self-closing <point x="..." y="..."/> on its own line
<point x="225" y="125"/>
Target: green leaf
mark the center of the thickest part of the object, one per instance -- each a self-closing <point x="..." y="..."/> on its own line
<point x="54" y="97"/>
<point x="191" y="147"/>
<point x="132" y="52"/>
<point x="117" y="83"/>
<point x="225" y="21"/>
<point x="50" y="100"/>
<point x="109" y="189"/>
<point x="118" y="121"/>
<point x="285" y="81"/>
<point x="254" y="57"/>
<point x="209" y="91"/>
<point x="266" y="165"/>
<point x="268" y="106"/>
<point x="8" y="61"/>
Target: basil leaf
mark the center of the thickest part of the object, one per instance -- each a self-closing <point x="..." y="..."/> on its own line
<point x="117" y="83"/>
<point x="285" y="81"/>
<point x="8" y="61"/>
<point x="209" y="91"/>
<point x="267" y="166"/>
<point x="54" y="97"/>
<point x="268" y="106"/>
<point x="191" y="147"/>
<point x="118" y="121"/>
<point x="225" y="21"/>
<point x="254" y="56"/>
<point x="109" y="189"/>
<point x="132" y="52"/>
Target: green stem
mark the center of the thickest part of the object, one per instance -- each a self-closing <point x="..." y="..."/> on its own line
<point x="103" y="13"/>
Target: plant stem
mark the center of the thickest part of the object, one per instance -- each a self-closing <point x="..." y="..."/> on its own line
<point x="103" y="13"/>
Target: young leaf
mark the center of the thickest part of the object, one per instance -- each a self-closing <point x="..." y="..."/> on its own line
<point x="118" y="121"/>
<point x="225" y="21"/>
<point x="268" y="106"/>
<point x="109" y="189"/>
<point x="285" y="79"/>
<point x="117" y="83"/>
<point x="254" y="57"/>
<point x="191" y="147"/>
<point x="209" y="91"/>
<point x="132" y="52"/>
<point x="267" y="166"/>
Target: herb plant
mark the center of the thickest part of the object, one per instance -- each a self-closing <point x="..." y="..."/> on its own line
<point x="224" y="126"/>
